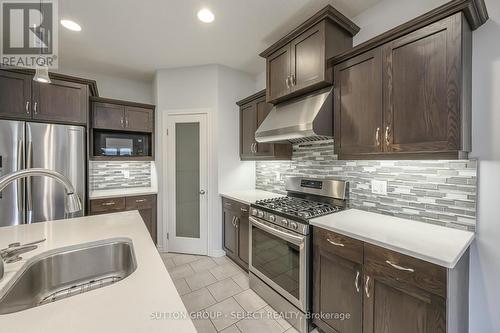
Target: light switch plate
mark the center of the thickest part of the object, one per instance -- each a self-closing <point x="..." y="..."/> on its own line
<point x="379" y="187"/>
<point x="126" y="174"/>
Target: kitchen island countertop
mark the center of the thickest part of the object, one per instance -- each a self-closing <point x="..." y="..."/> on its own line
<point x="249" y="196"/>
<point x="139" y="303"/>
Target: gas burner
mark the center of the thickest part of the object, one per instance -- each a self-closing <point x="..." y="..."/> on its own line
<point x="298" y="207"/>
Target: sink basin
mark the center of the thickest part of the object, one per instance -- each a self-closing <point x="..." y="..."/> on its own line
<point x="68" y="272"/>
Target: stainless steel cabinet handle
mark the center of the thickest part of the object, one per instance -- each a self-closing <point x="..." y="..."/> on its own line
<point x="367" y="288"/>
<point x="292" y="80"/>
<point x="111" y="203"/>
<point x="334" y="243"/>
<point x="121" y="121"/>
<point x="233" y="222"/>
<point x="401" y="268"/>
<point x="126" y="121"/>
<point x="356" y="281"/>
<point x="244" y="210"/>
<point x="256" y="147"/>
<point x="287" y="82"/>
<point x="27" y="107"/>
<point x="29" y="183"/>
<point x="236" y="222"/>
<point x="377" y="137"/>
<point x="35" y="108"/>
<point x="20" y="182"/>
<point x="140" y="200"/>
<point x="387" y="136"/>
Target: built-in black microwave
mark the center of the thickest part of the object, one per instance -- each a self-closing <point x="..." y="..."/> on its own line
<point x="122" y="144"/>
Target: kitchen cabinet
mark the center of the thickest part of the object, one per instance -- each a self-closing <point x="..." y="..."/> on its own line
<point x="236" y="231"/>
<point x="385" y="291"/>
<point x="338" y="282"/>
<point x="145" y="204"/>
<point x="64" y="100"/>
<point x="15" y="95"/>
<point x="253" y="110"/>
<point x="110" y="114"/>
<point x="408" y="98"/>
<point x="297" y="63"/>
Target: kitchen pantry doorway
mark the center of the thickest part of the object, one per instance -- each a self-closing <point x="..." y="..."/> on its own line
<point x="187" y="192"/>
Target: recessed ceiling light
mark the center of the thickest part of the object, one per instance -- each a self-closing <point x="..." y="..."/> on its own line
<point x="205" y="15"/>
<point x="71" y="25"/>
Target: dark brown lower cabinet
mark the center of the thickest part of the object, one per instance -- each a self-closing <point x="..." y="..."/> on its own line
<point x="235" y="227"/>
<point x="145" y="204"/>
<point x="384" y="291"/>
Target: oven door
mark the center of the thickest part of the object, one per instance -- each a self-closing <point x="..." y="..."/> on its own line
<point x="279" y="258"/>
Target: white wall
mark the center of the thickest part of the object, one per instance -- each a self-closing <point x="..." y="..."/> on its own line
<point x="484" y="288"/>
<point x="260" y="81"/>
<point x="116" y="87"/>
<point x="216" y="88"/>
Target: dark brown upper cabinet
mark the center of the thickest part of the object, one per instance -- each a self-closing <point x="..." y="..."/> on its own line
<point x="253" y="110"/>
<point x="110" y="114"/>
<point x="297" y="63"/>
<point x="15" y="95"/>
<point x="60" y="101"/>
<point x="64" y="100"/>
<point x="406" y="94"/>
<point x="408" y="98"/>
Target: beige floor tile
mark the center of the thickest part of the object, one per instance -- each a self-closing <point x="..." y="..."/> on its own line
<point x="259" y="325"/>
<point x="224" y="271"/>
<point x="169" y="263"/>
<point x="285" y="324"/>
<point x="203" y="264"/>
<point x="182" y="271"/>
<point x="250" y="301"/>
<point x="224" y="289"/>
<point x="168" y="254"/>
<point x="225" y="313"/>
<point x="198" y="300"/>
<point x="182" y="287"/>
<point x="183" y="259"/>
<point x="242" y="280"/>
<point x="231" y="329"/>
<point x="221" y="260"/>
<point x="293" y="330"/>
<point x="204" y="325"/>
<point x="200" y="280"/>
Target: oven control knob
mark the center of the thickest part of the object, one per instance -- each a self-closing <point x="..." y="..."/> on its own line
<point x="284" y="222"/>
<point x="294" y="225"/>
<point x="261" y="213"/>
<point x="254" y="212"/>
<point x="272" y="218"/>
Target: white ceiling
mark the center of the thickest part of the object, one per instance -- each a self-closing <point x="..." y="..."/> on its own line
<point x="133" y="38"/>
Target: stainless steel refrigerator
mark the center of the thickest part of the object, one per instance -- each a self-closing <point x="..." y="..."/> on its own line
<point x="34" y="145"/>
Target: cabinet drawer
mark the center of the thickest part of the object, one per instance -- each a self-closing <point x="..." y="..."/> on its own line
<point x="397" y="266"/>
<point x="139" y="202"/>
<point x="340" y="245"/>
<point x="107" y="205"/>
<point x="235" y="206"/>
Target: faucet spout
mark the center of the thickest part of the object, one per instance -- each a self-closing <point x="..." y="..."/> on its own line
<point x="73" y="203"/>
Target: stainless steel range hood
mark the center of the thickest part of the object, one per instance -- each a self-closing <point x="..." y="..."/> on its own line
<point x="306" y="118"/>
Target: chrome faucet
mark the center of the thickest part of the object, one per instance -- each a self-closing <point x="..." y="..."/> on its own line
<point x="72" y="202"/>
<point x="13" y="252"/>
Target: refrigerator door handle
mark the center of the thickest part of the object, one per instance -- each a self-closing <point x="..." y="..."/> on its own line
<point x="29" y="194"/>
<point x="20" y="182"/>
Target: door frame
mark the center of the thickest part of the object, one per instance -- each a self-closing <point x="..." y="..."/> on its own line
<point x="168" y="180"/>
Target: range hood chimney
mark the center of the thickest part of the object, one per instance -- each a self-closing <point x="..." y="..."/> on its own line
<point x="306" y="118"/>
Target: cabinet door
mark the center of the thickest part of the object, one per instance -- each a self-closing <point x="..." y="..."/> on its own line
<point x="263" y="109"/>
<point x="308" y="63"/>
<point x="230" y="236"/>
<point x="422" y="89"/>
<point x="138" y="119"/>
<point x="248" y="126"/>
<point x="15" y="95"/>
<point x="60" y="101"/>
<point x="243" y="238"/>
<point x="358" y="104"/>
<point x="108" y="116"/>
<point x="393" y="307"/>
<point x="149" y="217"/>
<point x="278" y="74"/>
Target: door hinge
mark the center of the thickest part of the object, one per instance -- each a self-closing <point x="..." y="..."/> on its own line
<point x="167" y="131"/>
<point x="168" y="236"/>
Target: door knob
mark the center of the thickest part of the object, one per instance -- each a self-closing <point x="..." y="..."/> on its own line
<point x="202" y="192"/>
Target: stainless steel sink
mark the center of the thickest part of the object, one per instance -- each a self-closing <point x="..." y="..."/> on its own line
<point x="68" y="272"/>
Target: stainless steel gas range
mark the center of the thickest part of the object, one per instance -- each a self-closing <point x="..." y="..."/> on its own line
<point x="280" y="244"/>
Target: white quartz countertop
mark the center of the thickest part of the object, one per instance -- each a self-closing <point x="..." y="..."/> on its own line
<point x="438" y="245"/>
<point x="249" y="196"/>
<point x="126" y="306"/>
<point x="122" y="192"/>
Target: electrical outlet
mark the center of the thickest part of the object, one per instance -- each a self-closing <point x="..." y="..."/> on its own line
<point x="379" y="187"/>
<point x="126" y="174"/>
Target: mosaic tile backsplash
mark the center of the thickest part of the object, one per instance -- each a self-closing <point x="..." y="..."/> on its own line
<point x="115" y="175"/>
<point x="438" y="192"/>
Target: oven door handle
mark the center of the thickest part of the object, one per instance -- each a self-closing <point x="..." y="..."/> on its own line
<point x="278" y="233"/>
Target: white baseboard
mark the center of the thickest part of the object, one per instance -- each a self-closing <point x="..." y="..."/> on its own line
<point x="217" y="253"/>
